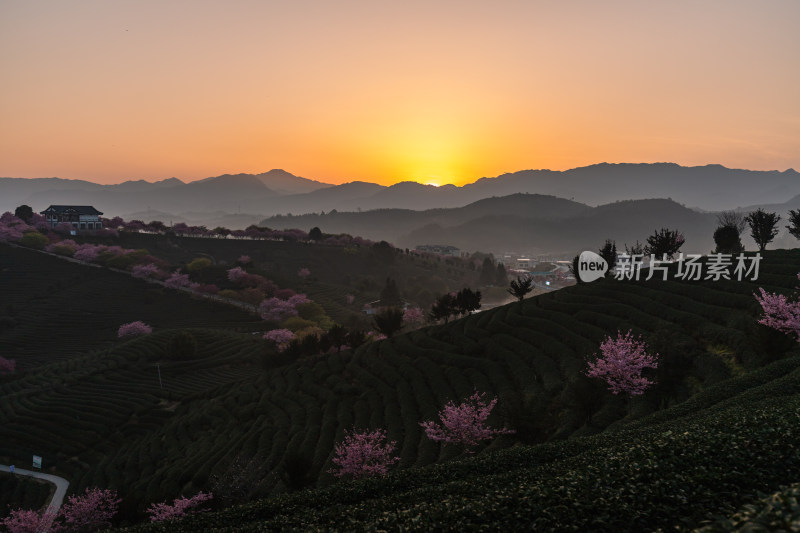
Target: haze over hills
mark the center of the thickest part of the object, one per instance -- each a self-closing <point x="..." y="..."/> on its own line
<point x="710" y="187"/>
<point x="523" y="222"/>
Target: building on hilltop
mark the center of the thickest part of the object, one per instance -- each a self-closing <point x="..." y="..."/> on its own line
<point x="82" y="217"/>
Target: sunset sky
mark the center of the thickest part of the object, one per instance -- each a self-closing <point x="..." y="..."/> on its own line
<point x="431" y="91"/>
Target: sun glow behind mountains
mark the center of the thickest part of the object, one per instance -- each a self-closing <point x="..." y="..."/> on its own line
<point x="393" y="92"/>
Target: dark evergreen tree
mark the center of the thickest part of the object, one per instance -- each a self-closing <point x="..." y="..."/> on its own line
<point x="794" y="221"/>
<point x="388" y="321"/>
<point x="443" y="308"/>
<point x="763" y="227"/>
<point x="338" y="337"/>
<point x="467" y="301"/>
<point x="635" y="249"/>
<point x="488" y="272"/>
<point x="390" y="295"/>
<point x="520" y="287"/>
<point x="355" y="338"/>
<point x="727" y="240"/>
<point x="609" y="253"/>
<point x="315" y="234"/>
<point x="573" y="268"/>
<point x="501" y="276"/>
<point x="24" y="212"/>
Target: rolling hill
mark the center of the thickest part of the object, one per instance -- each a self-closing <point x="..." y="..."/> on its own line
<point x="110" y="424"/>
<point x="526" y="222"/>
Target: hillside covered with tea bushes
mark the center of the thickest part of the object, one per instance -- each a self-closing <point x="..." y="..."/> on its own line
<point x="233" y="401"/>
<point x="676" y="472"/>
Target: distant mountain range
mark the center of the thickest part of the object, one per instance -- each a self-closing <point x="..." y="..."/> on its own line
<point x="525" y="223"/>
<point x="237" y="200"/>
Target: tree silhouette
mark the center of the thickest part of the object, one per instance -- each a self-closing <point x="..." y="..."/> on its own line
<point x="467" y="301"/>
<point x="763" y="227"/>
<point x="488" y="272"/>
<point x="635" y="249"/>
<point x="727" y="240"/>
<point x="609" y="253"/>
<point x="24" y="212"/>
<point x="338" y="337"/>
<point x="390" y="295"/>
<point x="443" y="308"/>
<point x="520" y="287"/>
<point x="315" y="234"/>
<point x="501" y="277"/>
<point x="355" y="338"/>
<point x="573" y="269"/>
<point x="794" y="221"/>
<point x="664" y="242"/>
<point x="389" y="321"/>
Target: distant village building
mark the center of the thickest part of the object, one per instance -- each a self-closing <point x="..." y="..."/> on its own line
<point x="439" y="249"/>
<point x="82" y="217"/>
<point x="523" y="263"/>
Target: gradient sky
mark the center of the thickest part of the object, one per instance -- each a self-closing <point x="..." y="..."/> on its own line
<point x="432" y="91"/>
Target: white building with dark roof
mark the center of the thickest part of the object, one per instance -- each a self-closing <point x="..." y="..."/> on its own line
<point x="82" y="217"/>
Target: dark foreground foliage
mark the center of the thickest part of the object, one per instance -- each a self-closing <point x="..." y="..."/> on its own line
<point x="680" y="473"/>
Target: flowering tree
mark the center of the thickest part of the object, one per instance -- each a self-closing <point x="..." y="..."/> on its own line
<point x="180" y="507"/>
<point x="304" y="273"/>
<point x="7" y="365"/>
<point x="780" y="313"/>
<point x="86" y="252"/>
<point x="178" y="280"/>
<point x="363" y="454"/>
<point x="281" y="337"/>
<point x="91" y="512"/>
<point x="464" y="424"/>
<point x="621" y="363"/>
<point x="144" y="271"/>
<point x="275" y="310"/>
<point x="236" y="273"/>
<point x="350" y="298"/>
<point x="414" y="316"/>
<point x="244" y="260"/>
<point x="134" y="329"/>
<point x="21" y="521"/>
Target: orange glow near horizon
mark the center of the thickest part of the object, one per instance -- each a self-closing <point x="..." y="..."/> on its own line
<point x="359" y="90"/>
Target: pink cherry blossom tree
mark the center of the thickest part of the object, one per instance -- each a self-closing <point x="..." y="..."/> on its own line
<point x="350" y="299"/>
<point x="281" y="337"/>
<point x="236" y="273"/>
<point x="90" y="512"/>
<point x="779" y="312"/>
<point x="464" y="424"/>
<point x="178" y="280"/>
<point x="275" y="309"/>
<point x="621" y="363"/>
<point x="24" y="521"/>
<point x="144" y="271"/>
<point x="134" y="329"/>
<point x="304" y="273"/>
<point x="86" y="252"/>
<point x="180" y="507"/>
<point x="7" y="365"/>
<point x="413" y="316"/>
<point x="364" y="454"/>
<point x="244" y="260"/>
